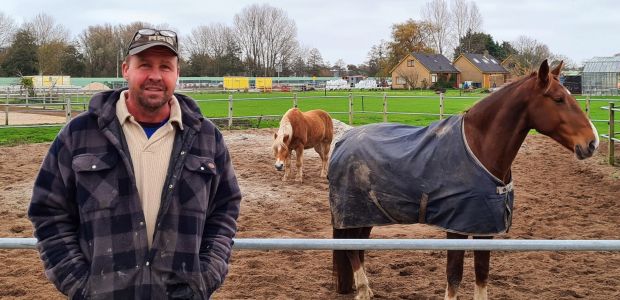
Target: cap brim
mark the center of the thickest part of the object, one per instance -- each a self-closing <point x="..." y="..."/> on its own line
<point x="139" y="49"/>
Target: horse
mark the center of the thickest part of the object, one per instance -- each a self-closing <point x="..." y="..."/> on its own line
<point x="302" y="130"/>
<point x="454" y="174"/>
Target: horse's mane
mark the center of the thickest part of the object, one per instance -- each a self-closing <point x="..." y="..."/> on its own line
<point x="285" y="128"/>
<point x="504" y="89"/>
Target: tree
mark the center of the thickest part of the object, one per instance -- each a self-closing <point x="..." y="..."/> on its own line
<point x="436" y="14"/>
<point x="72" y="62"/>
<point x="99" y="50"/>
<point x="212" y="50"/>
<point x="529" y="55"/>
<point x="478" y="42"/>
<point x="378" y="60"/>
<point x="7" y="30"/>
<point x="50" y="38"/>
<point x="465" y="18"/>
<point x="21" y="59"/>
<point x="266" y="36"/>
<point x="410" y="36"/>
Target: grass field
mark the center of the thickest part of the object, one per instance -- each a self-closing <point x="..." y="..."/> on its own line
<point x="367" y="107"/>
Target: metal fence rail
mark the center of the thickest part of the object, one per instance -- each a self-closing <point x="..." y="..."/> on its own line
<point x="391" y="244"/>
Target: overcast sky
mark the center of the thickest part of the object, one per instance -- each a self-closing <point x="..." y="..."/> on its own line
<point x="578" y="29"/>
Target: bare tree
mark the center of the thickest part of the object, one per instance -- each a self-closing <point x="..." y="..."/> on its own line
<point x="530" y="53"/>
<point x="7" y="30"/>
<point x="460" y="18"/>
<point x="210" y="42"/>
<point x="45" y="30"/>
<point x="100" y="51"/>
<point x="266" y="35"/>
<point x="410" y="76"/>
<point x="437" y="15"/>
<point x="474" y="22"/>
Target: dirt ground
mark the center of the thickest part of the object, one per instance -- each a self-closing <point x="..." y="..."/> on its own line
<point x="557" y="197"/>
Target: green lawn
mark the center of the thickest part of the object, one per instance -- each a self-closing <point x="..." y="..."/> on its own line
<point x="367" y="107"/>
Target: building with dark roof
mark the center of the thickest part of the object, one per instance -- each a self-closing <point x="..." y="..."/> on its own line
<point x="481" y="70"/>
<point x="421" y="70"/>
<point x="601" y="76"/>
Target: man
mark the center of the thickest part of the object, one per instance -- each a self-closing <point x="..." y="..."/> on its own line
<point x="137" y="198"/>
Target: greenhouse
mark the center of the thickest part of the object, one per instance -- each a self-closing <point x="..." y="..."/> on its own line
<point x="601" y="76"/>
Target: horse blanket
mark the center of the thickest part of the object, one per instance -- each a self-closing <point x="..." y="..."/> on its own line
<point x="386" y="173"/>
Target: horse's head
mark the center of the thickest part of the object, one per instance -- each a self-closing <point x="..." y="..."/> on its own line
<point x="554" y="112"/>
<point x="280" y="149"/>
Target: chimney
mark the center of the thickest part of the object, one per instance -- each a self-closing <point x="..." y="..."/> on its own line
<point x="485" y="53"/>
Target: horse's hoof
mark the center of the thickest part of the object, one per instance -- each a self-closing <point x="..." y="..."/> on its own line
<point x="364" y="294"/>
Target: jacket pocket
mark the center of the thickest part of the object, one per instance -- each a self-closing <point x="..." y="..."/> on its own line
<point x="96" y="180"/>
<point x="196" y="182"/>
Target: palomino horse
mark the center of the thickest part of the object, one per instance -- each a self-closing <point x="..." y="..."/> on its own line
<point x="302" y="130"/>
<point x="454" y="174"/>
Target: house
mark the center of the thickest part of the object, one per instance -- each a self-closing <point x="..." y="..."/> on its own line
<point x="601" y="76"/>
<point x="420" y="70"/>
<point x="482" y="70"/>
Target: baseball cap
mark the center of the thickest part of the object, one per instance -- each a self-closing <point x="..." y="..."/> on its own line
<point x="146" y="38"/>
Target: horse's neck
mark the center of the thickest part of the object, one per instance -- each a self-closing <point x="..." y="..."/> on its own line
<point x="495" y="128"/>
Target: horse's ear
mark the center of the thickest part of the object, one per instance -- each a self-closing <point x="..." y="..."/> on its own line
<point x="556" y="71"/>
<point x="275" y="135"/>
<point x="543" y="73"/>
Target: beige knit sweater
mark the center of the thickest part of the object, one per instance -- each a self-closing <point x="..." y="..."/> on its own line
<point x="150" y="157"/>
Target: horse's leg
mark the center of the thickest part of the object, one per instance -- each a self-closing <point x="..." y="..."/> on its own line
<point x="325" y="159"/>
<point x="299" y="152"/>
<point x="287" y="166"/>
<point x="481" y="263"/>
<point x="320" y="149"/>
<point x="454" y="268"/>
<point x="348" y="265"/>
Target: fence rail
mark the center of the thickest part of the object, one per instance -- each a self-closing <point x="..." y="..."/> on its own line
<point x="391" y="244"/>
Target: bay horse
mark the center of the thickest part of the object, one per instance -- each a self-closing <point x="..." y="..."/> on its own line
<point x="454" y="174"/>
<point x="302" y="130"/>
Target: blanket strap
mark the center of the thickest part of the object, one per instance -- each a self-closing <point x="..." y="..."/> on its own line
<point x="504" y="189"/>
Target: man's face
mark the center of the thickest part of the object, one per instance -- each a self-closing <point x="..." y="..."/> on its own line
<point x="151" y="76"/>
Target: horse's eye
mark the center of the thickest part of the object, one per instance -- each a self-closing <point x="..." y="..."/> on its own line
<point x="558" y="99"/>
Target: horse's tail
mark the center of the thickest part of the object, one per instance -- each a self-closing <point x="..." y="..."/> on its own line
<point x="342" y="270"/>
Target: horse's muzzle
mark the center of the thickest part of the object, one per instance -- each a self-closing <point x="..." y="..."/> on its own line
<point x="585" y="152"/>
<point x="279" y="167"/>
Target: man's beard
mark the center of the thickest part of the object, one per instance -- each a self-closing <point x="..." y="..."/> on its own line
<point x="153" y="103"/>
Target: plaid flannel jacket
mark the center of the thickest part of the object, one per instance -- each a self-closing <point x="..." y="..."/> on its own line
<point x="89" y="223"/>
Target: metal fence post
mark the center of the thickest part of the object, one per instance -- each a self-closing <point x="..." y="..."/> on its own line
<point x="350" y="109"/>
<point x="612" y="158"/>
<point x="385" y="119"/>
<point x="295" y="100"/>
<point x="441" y="102"/>
<point x="230" y="111"/>
<point x="588" y="106"/>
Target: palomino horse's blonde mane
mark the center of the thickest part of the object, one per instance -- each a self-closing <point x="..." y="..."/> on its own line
<point x="285" y="129"/>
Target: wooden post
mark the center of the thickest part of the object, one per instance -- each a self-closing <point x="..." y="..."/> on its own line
<point x="26" y="98"/>
<point x="612" y="158"/>
<point x="295" y="100"/>
<point x="6" y="108"/>
<point x="230" y="111"/>
<point x="350" y="109"/>
<point x="441" y="102"/>
<point x="68" y="108"/>
<point x="588" y="106"/>
<point x="385" y="118"/>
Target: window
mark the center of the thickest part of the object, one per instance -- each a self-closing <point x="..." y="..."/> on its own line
<point x="433" y="78"/>
<point x="400" y="80"/>
<point x="410" y="63"/>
